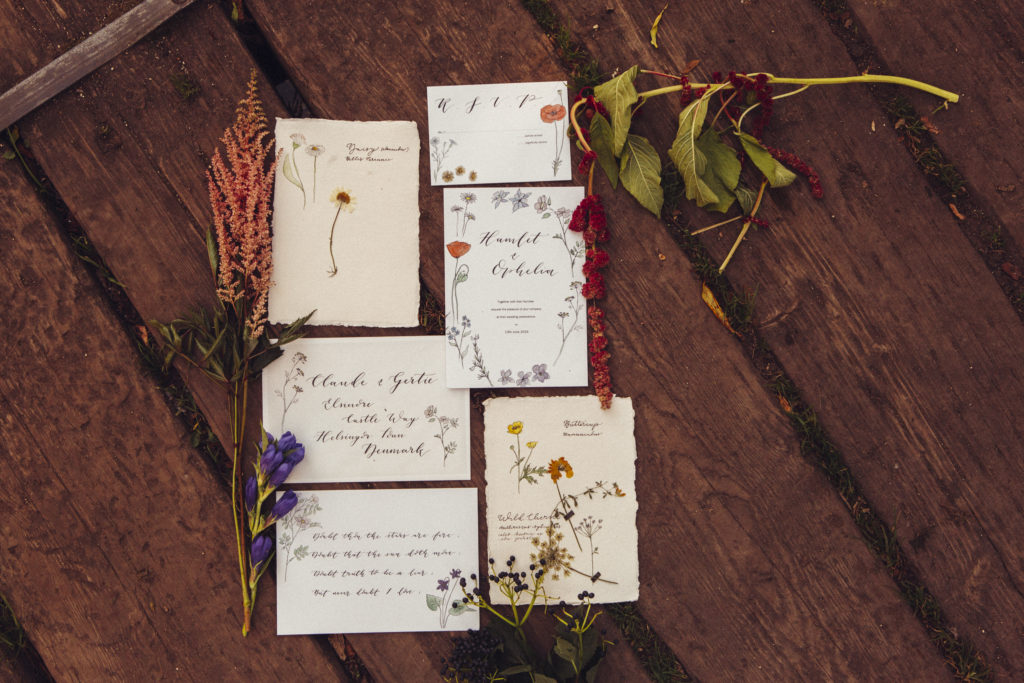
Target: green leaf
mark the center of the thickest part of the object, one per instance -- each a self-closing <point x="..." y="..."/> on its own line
<point x="777" y="174"/>
<point x="211" y="252"/>
<point x="459" y="608"/>
<point x="564" y="649"/>
<point x="433" y="603"/>
<point x="601" y="142"/>
<point x="541" y="678"/>
<point x="746" y="197"/>
<point x="618" y="95"/>
<point x="722" y="173"/>
<point x="287" y="169"/>
<point x="640" y="172"/>
<point x="688" y="158"/>
<point x="9" y="154"/>
<point x="517" y="669"/>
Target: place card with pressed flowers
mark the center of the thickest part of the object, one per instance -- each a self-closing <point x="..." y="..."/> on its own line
<point x="369" y="409"/>
<point x="498" y="133"/>
<point x="561" y="492"/>
<point x="515" y="309"/>
<point x="346" y="222"/>
<point x="376" y="561"/>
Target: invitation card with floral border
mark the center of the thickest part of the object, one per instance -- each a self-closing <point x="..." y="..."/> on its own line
<point x="515" y="315"/>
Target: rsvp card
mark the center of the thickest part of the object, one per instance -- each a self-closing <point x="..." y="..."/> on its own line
<point x="515" y="315"/>
<point x="346" y="223"/>
<point x="376" y="561"/>
<point x="369" y="409"/>
<point x="498" y="133"/>
<point x="561" y="488"/>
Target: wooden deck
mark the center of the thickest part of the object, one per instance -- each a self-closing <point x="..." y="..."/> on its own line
<point x="892" y="309"/>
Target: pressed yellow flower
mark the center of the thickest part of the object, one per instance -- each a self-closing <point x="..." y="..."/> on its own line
<point x="343" y="199"/>
<point x="472" y="176"/>
<point x="515" y="428"/>
<point x="531" y="444"/>
<point x="459" y="170"/>
<point x="447" y="176"/>
<point x="557" y="467"/>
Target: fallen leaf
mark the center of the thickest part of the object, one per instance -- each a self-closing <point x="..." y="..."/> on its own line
<point x="786" y="405"/>
<point x="654" y="26"/>
<point x="691" y="65"/>
<point x="712" y="303"/>
<point x="931" y="127"/>
<point x="872" y="126"/>
<point x="661" y="257"/>
<point x="952" y="207"/>
<point x="1006" y="188"/>
<point x="1011" y="270"/>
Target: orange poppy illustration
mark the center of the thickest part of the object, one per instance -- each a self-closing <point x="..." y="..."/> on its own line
<point x="458" y="249"/>
<point x="551" y="113"/>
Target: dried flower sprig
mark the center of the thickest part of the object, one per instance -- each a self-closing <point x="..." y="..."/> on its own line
<point x="232" y="344"/>
<point x="501" y="651"/>
<point x="275" y="460"/>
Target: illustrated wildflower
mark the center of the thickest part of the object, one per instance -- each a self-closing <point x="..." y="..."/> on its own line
<point x="550" y="553"/>
<point x="344" y="200"/>
<point x="443" y="603"/>
<point x="540" y="372"/>
<point x="439" y="149"/>
<point x="457" y="337"/>
<point x="515" y="428"/>
<point x="444" y="424"/>
<point x="521" y="463"/>
<point x="460" y="170"/>
<point x="293" y="525"/>
<point x="519" y="200"/>
<point x="472" y="176"/>
<point x="447" y="176"/>
<point x="555" y="114"/>
<point x="315" y="151"/>
<point x="291" y="381"/>
<point x="465" y="216"/>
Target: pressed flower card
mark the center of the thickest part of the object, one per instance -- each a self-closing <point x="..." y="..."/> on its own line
<point x="515" y="314"/>
<point x="498" y="133"/>
<point x="376" y="561"/>
<point x="346" y="223"/>
<point x="369" y="409"/>
<point x="561" y="491"/>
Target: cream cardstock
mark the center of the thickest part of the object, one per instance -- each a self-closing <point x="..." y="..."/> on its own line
<point x="583" y="525"/>
<point x="498" y="133"/>
<point x="369" y="409"/>
<point x="346" y="223"/>
<point x="515" y="315"/>
<point x="376" y="561"/>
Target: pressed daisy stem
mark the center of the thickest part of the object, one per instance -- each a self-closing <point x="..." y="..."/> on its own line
<point x="314" y="179"/>
<point x="330" y="241"/>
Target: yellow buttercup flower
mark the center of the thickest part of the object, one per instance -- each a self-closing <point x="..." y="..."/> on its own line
<point x="515" y="428"/>
<point x="531" y="444"/>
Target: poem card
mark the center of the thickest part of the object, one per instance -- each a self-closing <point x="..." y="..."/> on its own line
<point x="561" y="487"/>
<point x="346" y="223"/>
<point x="498" y="133"/>
<point x="369" y="409"/>
<point x="515" y="314"/>
<point x="376" y="561"/>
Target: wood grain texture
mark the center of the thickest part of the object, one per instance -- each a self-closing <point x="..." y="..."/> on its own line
<point x="82" y="59"/>
<point x="109" y="521"/>
<point x="137" y="188"/>
<point x="750" y="567"/>
<point x="977" y="52"/>
<point x="877" y="306"/>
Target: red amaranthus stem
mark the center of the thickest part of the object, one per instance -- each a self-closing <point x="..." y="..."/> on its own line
<point x="589" y="219"/>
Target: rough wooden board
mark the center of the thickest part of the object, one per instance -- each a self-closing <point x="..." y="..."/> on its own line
<point x="878" y="308"/>
<point x="110" y="520"/>
<point x="738" y="573"/>
<point x="977" y="52"/>
<point x="127" y="172"/>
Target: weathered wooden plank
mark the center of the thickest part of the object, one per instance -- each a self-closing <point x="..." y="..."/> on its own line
<point x="750" y="567"/>
<point x="878" y="308"/>
<point x="82" y="59"/>
<point x="109" y="520"/>
<point x="122" y="175"/>
<point x="977" y="50"/>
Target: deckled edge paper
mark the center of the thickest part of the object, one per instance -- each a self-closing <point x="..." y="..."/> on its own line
<point x="529" y="440"/>
<point x="346" y="223"/>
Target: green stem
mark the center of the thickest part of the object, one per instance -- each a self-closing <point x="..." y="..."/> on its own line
<point x="841" y="80"/>
<point x="330" y="243"/>
<point x="237" y="430"/>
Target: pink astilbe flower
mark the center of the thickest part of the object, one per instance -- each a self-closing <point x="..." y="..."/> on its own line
<point x="240" y="183"/>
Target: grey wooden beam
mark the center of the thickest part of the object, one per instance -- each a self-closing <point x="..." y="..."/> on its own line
<point x="84" y="58"/>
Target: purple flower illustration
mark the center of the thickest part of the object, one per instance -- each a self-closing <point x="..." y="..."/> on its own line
<point x="540" y="372"/>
